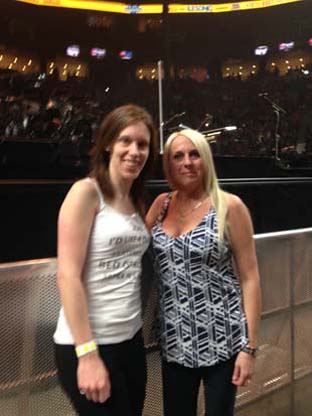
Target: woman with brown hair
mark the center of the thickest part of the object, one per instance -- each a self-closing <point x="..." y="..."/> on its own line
<point x="101" y="240"/>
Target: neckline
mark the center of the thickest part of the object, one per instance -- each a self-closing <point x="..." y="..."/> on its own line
<point x="189" y="231"/>
<point x="105" y="204"/>
<point x="130" y="216"/>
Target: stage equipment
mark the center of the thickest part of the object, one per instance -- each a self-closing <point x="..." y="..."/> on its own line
<point x="177" y="115"/>
<point x="211" y="134"/>
<point x="208" y="119"/>
<point x="278" y="110"/>
<point x="183" y="126"/>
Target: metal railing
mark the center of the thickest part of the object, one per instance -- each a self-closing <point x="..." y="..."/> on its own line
<point x="281" y="386"/>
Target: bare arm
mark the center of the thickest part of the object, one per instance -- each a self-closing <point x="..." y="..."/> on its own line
<point x="241" y="236"/>
<point x="74" y="225"/>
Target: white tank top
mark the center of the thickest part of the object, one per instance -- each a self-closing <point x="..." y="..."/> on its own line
<point x="111" y="276"/>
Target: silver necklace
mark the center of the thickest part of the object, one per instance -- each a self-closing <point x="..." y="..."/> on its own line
<point x="189" y="211"/>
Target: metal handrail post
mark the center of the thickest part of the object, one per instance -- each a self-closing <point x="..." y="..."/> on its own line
<point x="160" y="105"/>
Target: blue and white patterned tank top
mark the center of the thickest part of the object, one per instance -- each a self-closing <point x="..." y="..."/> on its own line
<point x="202" y="321"/>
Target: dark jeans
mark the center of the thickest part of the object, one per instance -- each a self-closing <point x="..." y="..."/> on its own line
<point x="181" y="386"/>
<point x="126" y="363"/>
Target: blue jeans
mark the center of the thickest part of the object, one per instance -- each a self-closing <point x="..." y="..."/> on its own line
<point x="126" y="363"/>
<point x="181" y="386"/>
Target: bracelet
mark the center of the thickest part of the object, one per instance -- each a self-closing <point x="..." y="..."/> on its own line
<point x="249" y="350"/>
<point x="85" y="348"/>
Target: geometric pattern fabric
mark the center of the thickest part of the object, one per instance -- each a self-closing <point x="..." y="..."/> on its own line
<point x="202" y="321"/>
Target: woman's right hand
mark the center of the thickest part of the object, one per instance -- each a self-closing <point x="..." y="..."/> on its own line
<point x="93" y="378"/>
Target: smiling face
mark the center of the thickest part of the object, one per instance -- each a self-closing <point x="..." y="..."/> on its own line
<point x="129" y="152"/>
<point x="185" y="164"/>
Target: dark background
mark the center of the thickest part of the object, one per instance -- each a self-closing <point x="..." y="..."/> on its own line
<point x="29" y="210"/>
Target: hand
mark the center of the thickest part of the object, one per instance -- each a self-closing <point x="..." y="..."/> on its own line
<point x="93" y="377"/>
<point x="243" y="369"/>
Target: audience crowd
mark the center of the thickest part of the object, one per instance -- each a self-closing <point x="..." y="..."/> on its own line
<point x="266" y="109"/>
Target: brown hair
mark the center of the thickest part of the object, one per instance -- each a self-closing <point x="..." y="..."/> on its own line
<point x="110" y="128"/>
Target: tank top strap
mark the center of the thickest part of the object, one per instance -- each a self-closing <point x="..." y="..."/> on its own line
<point x="98" y="190"/>
<point x="164" y="208"/>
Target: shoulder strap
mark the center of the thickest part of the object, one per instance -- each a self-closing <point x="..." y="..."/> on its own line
<point x="164" y="208"/>
<point x="98" y="190"/>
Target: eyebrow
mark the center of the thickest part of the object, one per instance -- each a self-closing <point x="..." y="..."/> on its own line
<point x="129" y="136"/>
<point x="182" y="151"/>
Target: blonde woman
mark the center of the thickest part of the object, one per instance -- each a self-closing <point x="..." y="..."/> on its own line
<point x="209" y="300"/>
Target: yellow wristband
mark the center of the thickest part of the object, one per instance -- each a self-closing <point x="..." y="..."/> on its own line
<point x="85" y="348"/>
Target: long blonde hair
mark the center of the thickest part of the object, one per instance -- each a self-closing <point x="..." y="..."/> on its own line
<point x="210" y="182"/>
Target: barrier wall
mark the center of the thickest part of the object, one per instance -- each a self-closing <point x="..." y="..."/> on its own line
<point x="281" y="386"/>
<point x="29" y="209"/>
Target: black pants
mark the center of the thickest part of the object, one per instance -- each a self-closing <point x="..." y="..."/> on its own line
<point x="181" y="386"/>
<point x="126" y="363"/>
